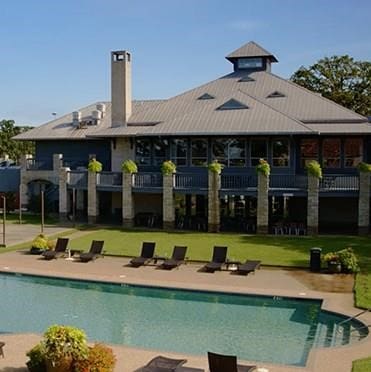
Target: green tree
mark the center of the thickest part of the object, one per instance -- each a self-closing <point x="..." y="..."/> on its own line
<point x="341" y="79"/>
<point x="8" y="146"/>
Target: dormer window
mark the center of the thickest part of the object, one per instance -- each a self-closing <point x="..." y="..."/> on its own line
<point x="249" y="63"/>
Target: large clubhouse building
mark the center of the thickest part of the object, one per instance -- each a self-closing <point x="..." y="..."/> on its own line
<point x="237" y="119"/>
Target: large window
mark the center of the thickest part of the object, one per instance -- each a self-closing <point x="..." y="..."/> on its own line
<point x="246" y="63"/>
<point x="331" y="152"/>
<point x="179" y="151"/>
<point x="159" y="151"/>
<point x="280" y="152"/>
<point x="258" y="151"/>
<point x="309" y="150"/>
<point x="143" y="151"/>
<point x="230" y="152"/>
<point x="199" y="152"/>
<point x="353" y="152"/>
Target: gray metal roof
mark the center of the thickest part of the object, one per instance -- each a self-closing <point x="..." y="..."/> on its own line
<point x="250" y="50"/>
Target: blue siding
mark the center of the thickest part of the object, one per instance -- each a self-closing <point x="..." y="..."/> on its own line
<point x="10" y="179"/>
<point x="76" y="150"/>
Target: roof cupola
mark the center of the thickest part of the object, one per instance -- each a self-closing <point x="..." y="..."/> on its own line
<point x="251" y="57"/>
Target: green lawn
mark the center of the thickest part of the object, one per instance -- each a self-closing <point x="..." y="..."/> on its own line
<point x="362" y="365"/>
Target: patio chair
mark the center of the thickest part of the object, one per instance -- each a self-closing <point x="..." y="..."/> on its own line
<point x="94" y="252"/>
<point x="218" y="260"/>
<point x="226" y="363"/>
<point x="146" y="256"/>
<point x="2" y="344"/>
<point x="162" y="364"/>
<point x="248" y="267"/>
<point x="59" y="250"/>
<point x="176" y="259"/>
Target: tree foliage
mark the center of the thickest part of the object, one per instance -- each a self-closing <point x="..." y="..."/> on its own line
<point x="9" y="146"/>
<point x="341" y="79"/>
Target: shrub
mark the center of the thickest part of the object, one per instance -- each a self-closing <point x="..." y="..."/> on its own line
<point x="100" y="359"/>
<point x="314" y="169"/>
<point x="95" y="166"/>
<point x="37" y="359"/>
<point x="364" y="167"/>
<point x="263" y="168"/>
<point x="349" y="261"/>
<point x="332" y="257"/>
<point x="168" y="168"/>
<point x="129" y="166"/>
<point x="41" y="241"/>
<point x="215" y="167"/>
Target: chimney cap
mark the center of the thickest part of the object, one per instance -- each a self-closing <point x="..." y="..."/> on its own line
<point x="121" y="55"/>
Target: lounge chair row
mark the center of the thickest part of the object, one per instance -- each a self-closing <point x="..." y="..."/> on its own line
<point x="60" y="250"/>
<point x="217" y="363"/>
<point x="218" y="260"/>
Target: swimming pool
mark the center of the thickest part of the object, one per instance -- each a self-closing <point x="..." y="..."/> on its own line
<point x="260" y="328"/>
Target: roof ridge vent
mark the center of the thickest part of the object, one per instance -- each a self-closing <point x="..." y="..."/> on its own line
<point x="206" y="96"/>
<point x="246" y="79"/>
<point x="232" y="104"/>
<point x="276" y="94"/>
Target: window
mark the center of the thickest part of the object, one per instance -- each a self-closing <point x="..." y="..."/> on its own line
<point x="232" y="104"/>
<point x="230" y="152"/>
<point x="159" y="151"/>
<point x="258" y="151"/>
<point x="331" y="152"/>
<point x="143" y="151"/>
<point x="280" y="153"/>
<point x="353" y="152"/>
<point x="199" y="152"/>
<point x="244" y="63"/>
<point x="179" y="151"/>
<point x="308" y="151"/>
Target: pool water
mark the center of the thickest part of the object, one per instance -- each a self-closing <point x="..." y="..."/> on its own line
<point x="258" y="328"/>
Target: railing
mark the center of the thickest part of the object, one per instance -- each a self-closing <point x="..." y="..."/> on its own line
<point x="147" y="180"/>
<point x="74" y="164"/>
<point x="238" y="181"/>
<point x="190" y="181"/>
<point x="288" y="181"/>
<point x="39" y="164"/>
<point x="339" y="183"/>
<point x="78" y="179"/>
<point x="110" y="179"/>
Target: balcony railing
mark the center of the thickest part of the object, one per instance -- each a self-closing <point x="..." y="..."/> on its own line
<point x="78" y="179"/>
<point x="110" y="179"/>
<point x="190" y="181"/>
<point x="339" y="183"/>
<point x="238" y="181"/>
<point x="288" y="181"/>
<point x="39" y="164"/>
<point x="74" y="164"/>
<point x="147" y="180"/>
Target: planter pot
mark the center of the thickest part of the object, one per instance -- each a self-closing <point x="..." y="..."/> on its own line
<point x="35" y="250"/>
<point x="63" y="365"/>
<point x="334" y="267"/>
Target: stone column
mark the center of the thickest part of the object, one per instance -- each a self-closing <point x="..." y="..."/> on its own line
<point x="93" y="209"/>
<point x="64" y="176"/>
<point x="168" y="208"/>
<point x="364" y="203"/>
<point x="313" y="205"/>
<point x="57" y="162"/>
<point x="214" y="182"/>
<point x="127" y="200"/>
<point x="24" y="179"/>
<point x="262" y="213"/>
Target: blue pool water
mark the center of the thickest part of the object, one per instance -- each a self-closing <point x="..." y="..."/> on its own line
<point x="260" y="328"/>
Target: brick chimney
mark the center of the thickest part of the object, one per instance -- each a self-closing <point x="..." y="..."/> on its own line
<point x="120" y="87"/>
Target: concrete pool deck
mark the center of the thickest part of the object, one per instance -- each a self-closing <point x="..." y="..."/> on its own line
<point x="276" y="282"/>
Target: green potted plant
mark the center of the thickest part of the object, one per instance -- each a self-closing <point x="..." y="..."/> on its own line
<point x="168" y="168"/>
<point x="314" y="169"/>
<point x="129" y="167"/>
<point x="364" y="167"/>
<point x="63" y="345"/>
<point x="215" y="167"/>
<point x="332" y="259"/>
<point x="263" y="168"/>
<point x="100" y="358"/>
<point x="95" y="166"/>
<point x="39" y="244"/>
<point x="36" y="362"/>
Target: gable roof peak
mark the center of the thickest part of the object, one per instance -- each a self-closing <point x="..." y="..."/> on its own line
<point x="251" y="50"/>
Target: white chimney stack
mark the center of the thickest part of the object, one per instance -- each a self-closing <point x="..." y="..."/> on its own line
<point x="120" y="87"/>
<point x="76" y="118"/>
<point x="102" y="108"/>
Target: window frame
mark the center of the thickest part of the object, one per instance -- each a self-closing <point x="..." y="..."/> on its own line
<point x="287" y="140"/>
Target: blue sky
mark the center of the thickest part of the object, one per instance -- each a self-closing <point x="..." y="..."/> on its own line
<point x="54" y="55"/>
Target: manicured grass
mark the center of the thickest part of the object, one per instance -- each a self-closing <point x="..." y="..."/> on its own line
<point x="362" y="365"/>
<point x="27" y="218"/>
